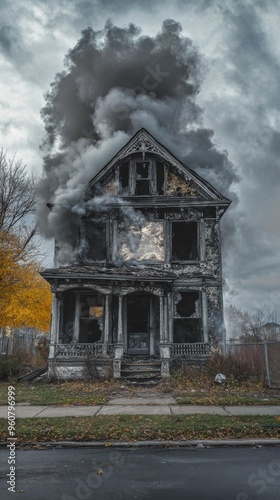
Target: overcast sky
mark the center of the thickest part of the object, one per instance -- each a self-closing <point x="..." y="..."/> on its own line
<point x="238" y="44"/>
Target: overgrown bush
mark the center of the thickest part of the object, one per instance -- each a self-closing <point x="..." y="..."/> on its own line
<point x="90" y="367"/>
<point x="42" y="347"/>
<point x="9" y="367"/>
<point x="240" y="366"/>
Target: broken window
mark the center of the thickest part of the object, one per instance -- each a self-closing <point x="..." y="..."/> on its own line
<point x="184" y="241"/>
<point x="187" y="318"/>
<point x="91" y="317"/>
<point x="96" y="241"/>
<point x="142" y="242"/>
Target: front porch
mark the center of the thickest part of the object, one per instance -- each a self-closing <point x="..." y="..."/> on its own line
<point x="69" y="360"/>
<point x="106" y="323"/>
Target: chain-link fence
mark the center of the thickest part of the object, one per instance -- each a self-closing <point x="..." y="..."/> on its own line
<point x="272" y="359"/>
<point x="250" y="356"/>
<point x="263" y="358"/>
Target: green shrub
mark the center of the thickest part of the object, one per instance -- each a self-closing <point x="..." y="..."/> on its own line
<point x="9" y="367"/>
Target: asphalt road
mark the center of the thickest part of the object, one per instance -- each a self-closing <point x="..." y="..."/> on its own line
<point x="144" y="474"/>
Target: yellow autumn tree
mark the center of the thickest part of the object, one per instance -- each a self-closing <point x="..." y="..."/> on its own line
<point x="25" y="297"/>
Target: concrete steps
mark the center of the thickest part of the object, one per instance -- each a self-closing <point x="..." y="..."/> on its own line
<point x="141" y="372"/>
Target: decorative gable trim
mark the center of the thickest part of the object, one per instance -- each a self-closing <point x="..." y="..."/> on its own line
<point x="143" y="142"/>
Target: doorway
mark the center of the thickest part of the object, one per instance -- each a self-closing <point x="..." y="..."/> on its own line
<point x="138" y="324"/>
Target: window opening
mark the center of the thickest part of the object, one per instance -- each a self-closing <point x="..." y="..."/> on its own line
<point x="91" y="317"/>
<point x="96" y="241"/>
<point x="187" y="318"/>
<point x="184" y="241"/>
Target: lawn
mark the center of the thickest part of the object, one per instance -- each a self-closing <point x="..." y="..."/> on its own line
<point x="219" y="399"/>
<point x="61" y="394"/>
<point x="142" y="428"/>
<point x="96" y="393"/>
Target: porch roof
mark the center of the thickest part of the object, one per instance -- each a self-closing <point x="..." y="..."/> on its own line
<point x="111" y="273"/>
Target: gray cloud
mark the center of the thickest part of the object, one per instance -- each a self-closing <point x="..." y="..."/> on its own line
<point x="238" y="74"/>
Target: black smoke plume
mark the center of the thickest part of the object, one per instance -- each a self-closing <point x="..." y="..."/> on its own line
<point x="115" y="82"/>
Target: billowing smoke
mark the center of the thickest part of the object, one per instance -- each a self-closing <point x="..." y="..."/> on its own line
<point x="115" y="82"/>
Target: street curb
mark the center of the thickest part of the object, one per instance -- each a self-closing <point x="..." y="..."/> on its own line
<point x="196" y="443"/>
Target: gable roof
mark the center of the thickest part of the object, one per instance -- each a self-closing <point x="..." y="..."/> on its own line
<point x="143" y="142"/>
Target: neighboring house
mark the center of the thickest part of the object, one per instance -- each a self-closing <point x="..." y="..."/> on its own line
<point x="146" y="283"/>
<point x="271" y="331"/>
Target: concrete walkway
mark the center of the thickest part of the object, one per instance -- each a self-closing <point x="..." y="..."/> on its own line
<point x="164" y="405"/>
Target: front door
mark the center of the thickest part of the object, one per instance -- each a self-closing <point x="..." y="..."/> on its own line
<point x="138" y="324"/>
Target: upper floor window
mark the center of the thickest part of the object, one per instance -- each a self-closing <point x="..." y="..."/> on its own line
<point x="141" y="242"/>
<point x="95" y="236"/>
<point x="184" y="244"/>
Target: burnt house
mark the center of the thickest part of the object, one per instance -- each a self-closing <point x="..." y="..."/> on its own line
<point x="145" y="282"/>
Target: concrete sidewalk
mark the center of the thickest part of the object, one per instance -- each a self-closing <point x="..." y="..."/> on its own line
<point x="165" y="405"/>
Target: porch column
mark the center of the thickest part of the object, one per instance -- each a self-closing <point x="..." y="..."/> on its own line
<point x="161" y="320"/>
<point x="164" y="346"/>
<point x="77" y="320"/>
<point x="54" y="323"/>
<point x="169" y="318"/>
<point x="120" y="320"/>
<point x="106" y="326"/>
<point x="204" y="316"/>
<point x="119" y="346"/>
<point x="106" y="320"/>
<point x="165" y="320"/>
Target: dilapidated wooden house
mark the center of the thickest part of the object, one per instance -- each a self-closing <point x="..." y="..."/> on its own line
<point x="146" y="283"/>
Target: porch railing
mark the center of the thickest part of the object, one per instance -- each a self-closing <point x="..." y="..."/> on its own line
<point x="197" y="349"/>
<point x="82" y="350"/>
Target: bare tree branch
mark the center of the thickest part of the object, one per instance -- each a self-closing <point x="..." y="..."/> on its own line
<point x="17" y="199"/>
<point x="17" y="193"/>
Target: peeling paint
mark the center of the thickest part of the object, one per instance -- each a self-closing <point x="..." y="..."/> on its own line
<point x="110" y="189"/>
<point x="176" y="186"/>
<point x="131" y="247"/>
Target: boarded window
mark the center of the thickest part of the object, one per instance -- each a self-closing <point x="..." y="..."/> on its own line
<point x="91" y="317"/>
<point x="96" y="241"/>
<point x="187" y="321"/>
<point x="184" y="241"/>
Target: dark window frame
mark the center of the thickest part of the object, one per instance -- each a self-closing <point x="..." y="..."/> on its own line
<point x="198" y="249"/>
<point x="188" y="320"/>
<point x="156" y="184"/>
<point x="89" y="223"/>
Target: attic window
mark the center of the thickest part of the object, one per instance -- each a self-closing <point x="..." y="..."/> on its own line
<point x="187" y="317"/>
<point x="184" y="241"/>
<point x="143" y="179"/>
<point x="160" y="177"/>
<point x="124" y="176"/>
